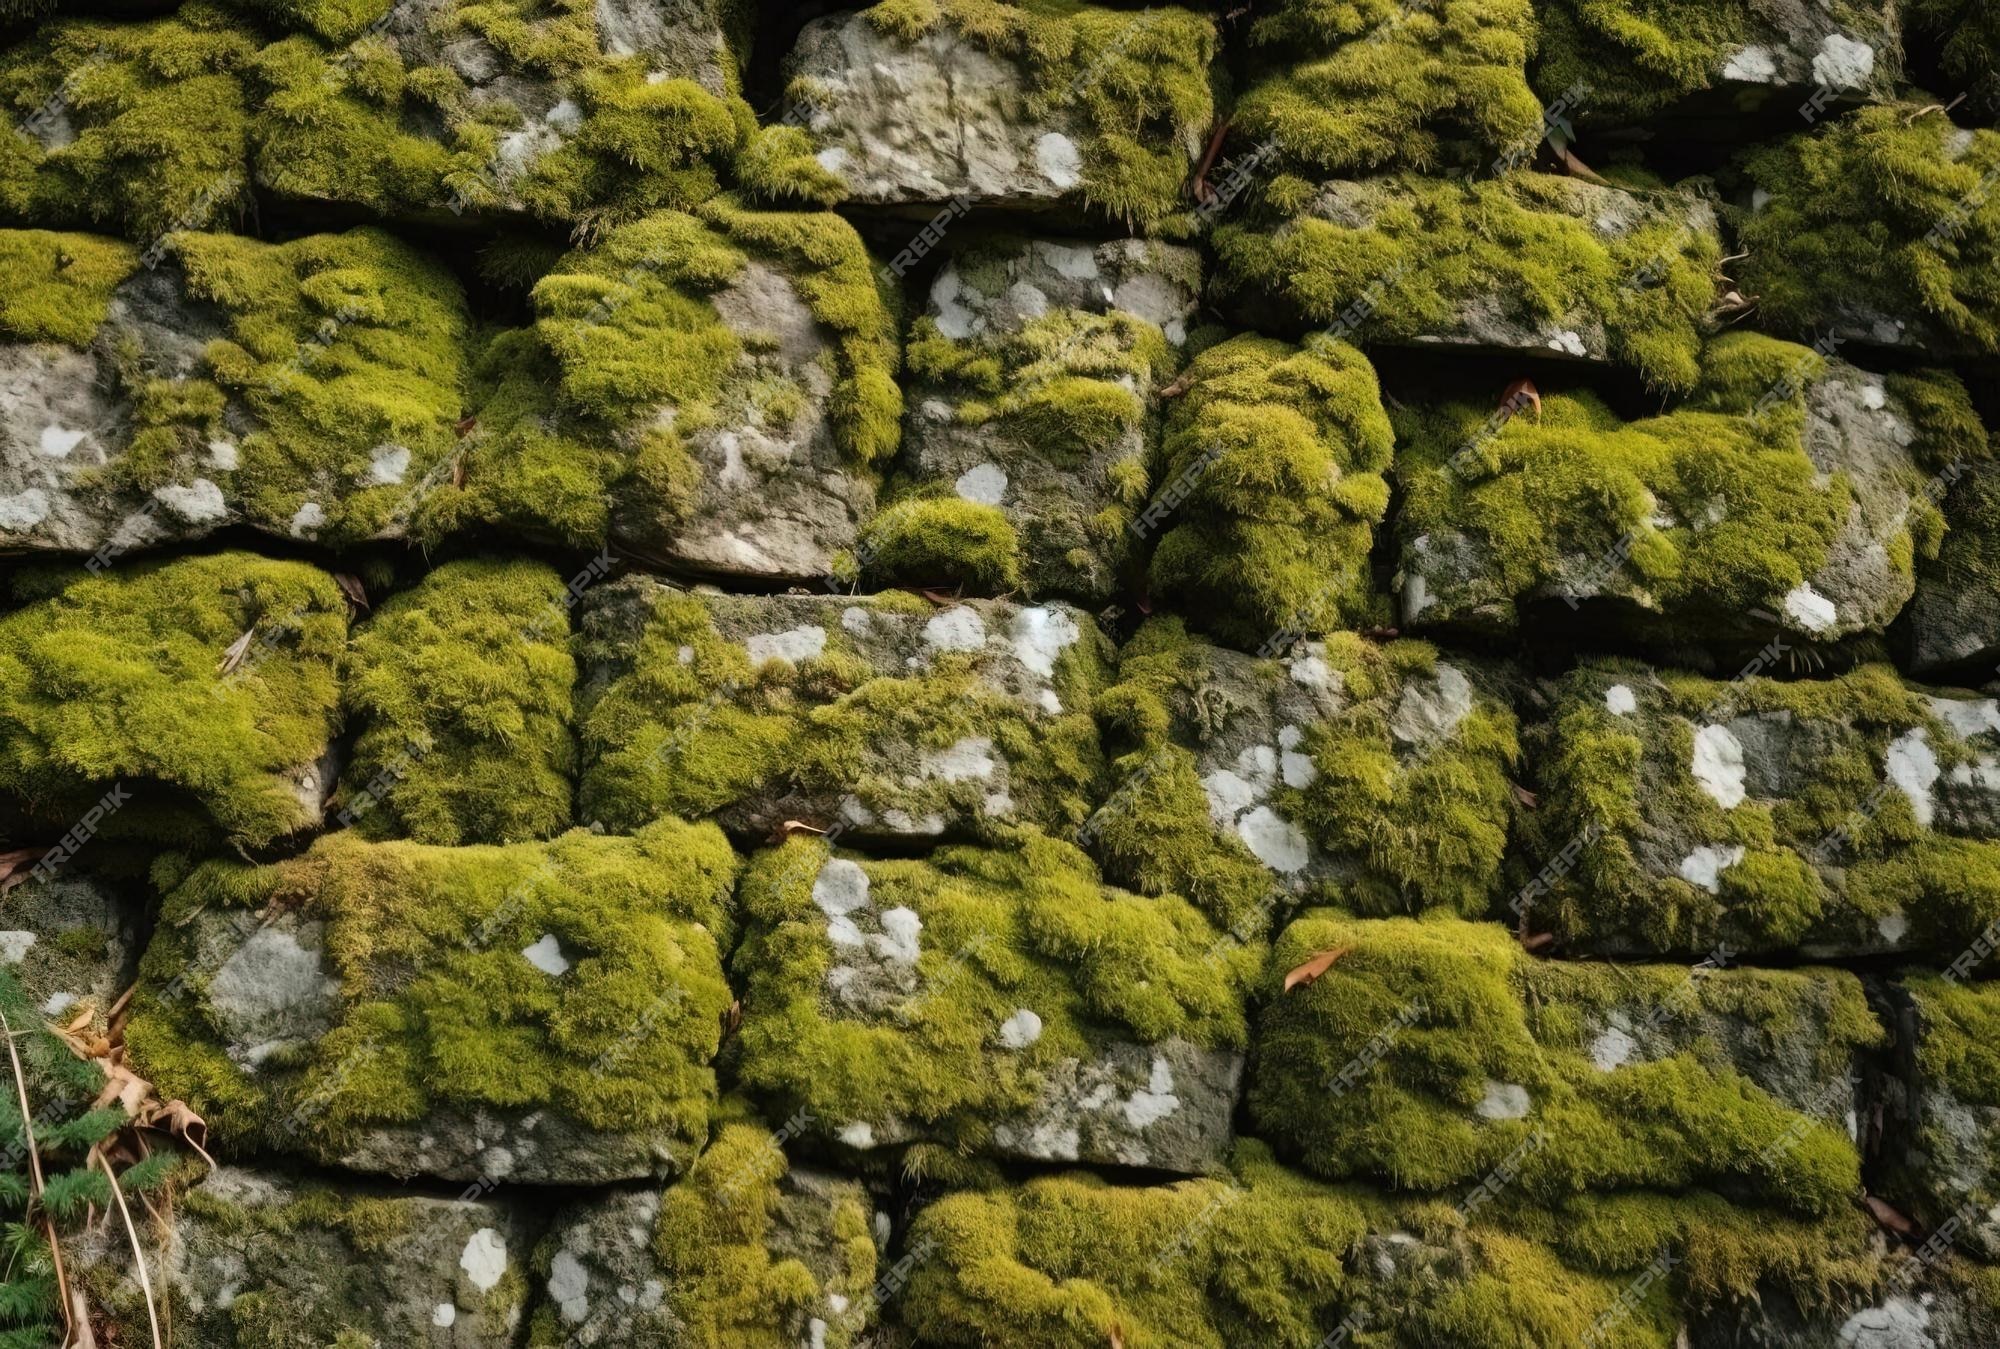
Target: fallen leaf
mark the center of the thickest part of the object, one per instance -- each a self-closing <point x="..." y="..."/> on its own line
<point x="1888" y="1217"/>
<point x="458" y="471"/>
<point x="793" y="827"/>
<point x="1524" y="796"/>
<point x="1576" y="167"/>
<point x="936" y="596"/>
<point x="732" y="1017"/>
<point x="238" y="649"/>
<point x="350" y="586"/>
<point x="1117" y="1337"/>
<point x="1512" y="396"/>
<point x="1538" y="941"/>
<point x="465" y="426"/>
<point x="1321" y="962"/>
<point x="16" y="866"/>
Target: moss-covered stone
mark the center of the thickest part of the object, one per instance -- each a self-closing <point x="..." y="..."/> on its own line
<point x="1086" y="108"/>
<point x="1955" y="614"/>
<point x="1880" y="227"/>
<point x="1434" y="1051"/>
<point x="1944" y="1156"/>
<point x="1526" y="263"/>
<point x="122" y="685"/>
<point x="308" y="389"/>
<point x="1270" y="486"/>
<point x="1032" y="433"/>
<point x="1719" y="60"/>
<point x="1000" y="1001"/>
<point x="1845" y="816"/>
<point x="1791" y="492"/>
<point x="260" y="1258"/>
<point x="139" y="128"/>
<point x="882" y="715"/>
<point x="72" y="942"/>
<point x="1968" y="34"/>
<point x="537" y="1012"/>
<point x="1335" y="771"/>
<point x="1355" y="88"/>
<point x="555" y="109"/>
<point x="461" y="689"/>
<point x="715" y="392"/>
<point x="745" y="1252"/>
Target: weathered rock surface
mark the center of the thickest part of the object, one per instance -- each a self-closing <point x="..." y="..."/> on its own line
<point x="1037" y="363"/>
<point x="558" y="1026"/>
<point x="73" y="942"/>
<point x="1943" y="1149"/>
<point x="1806" y="533"/>
<point x="1852" y="816"/>
<point x="261" y="1257"/>
<point x="991" y="1001"/>
<point x="884" y="717"/>
<point x="1330" y="770"/>
<point x="1954" y="618"/>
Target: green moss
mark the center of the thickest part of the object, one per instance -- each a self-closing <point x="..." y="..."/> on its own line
<point x="1137" y="85"/>
<point x="114" y="679"/>
<point x="360" y="124"/>
<point x="1831" y="852"/>
<point x="779" y="166"/>
<point x="738" y="1273"/>
<point x="158" y="119"/>
<point x="1883" y="215"/>
<point x="1397" y="259"/>
<point x="940" y="540"/>
<point x="1378" y="84"/>
<point x="341" y="349"/>
<point x="1969" y="33"/>
<point x="1272" y="482"/>
<point x="461" y="687"/>
<point x="334" y="20"/>
<point x="1462" y="1007"/>
<point x="58" y="286"/>
<point x="1953" y="1154"/>
<point x="1027" y="926"/>
<point x="439" y="1011"/>
<point x="713" y="732"/>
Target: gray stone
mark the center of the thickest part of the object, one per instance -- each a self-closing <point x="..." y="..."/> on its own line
<point x="72" y="942"/>
<point x="1955" y="617"/>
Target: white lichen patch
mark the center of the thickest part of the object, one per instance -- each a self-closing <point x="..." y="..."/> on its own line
<point x="1273" y="840"/>
<point x="967" y="758"/>
<point x="1503" y="1100"/>
<point x="796" y="645"/>
<point x="547" y="955"/>
<point x="1154" y="1101"/>
<point x="1620" y="701"/>
<point x="445" y="1314"/>
<point x="569" y="1285"/>
<point x="1750" y="65"/>
<point x="1912" y="769"/>
<point x="197" y="502"/>
<point x="1041" y="636"/>
<point x="24" y="510"/>
<point x="860" y="1134"/>
<point x="840" y="888"/>
<point x="959" y="628"/>
<point x="1613" y="1048"/>
<point x="1059" y="160"/>
<point x="898" y="939"/>
<point x="14" y="946"/>
<point x="1020" y="1030"/>
<point x="484" y="1259"/>
<point x="1843" y="63"/>
<point x="1968" y="717"/>
<point x="982" y="483"/>
<point x="57" y="441"/>
<point x="308" y="520"/>
<point x="1718" y="765"/>
<point x="1431" y="707"/>
<point x="1810" y="610"/>
<point x="388" y="466"/>
<point x="1705" y="865"/>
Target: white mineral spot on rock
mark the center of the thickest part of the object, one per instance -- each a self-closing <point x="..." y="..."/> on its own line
<point x="569" y="1285"/>
<point x="222" y="454"/>
<point x="1809" y="609"/>
<point x="816" y="1333"/>
<point x="833" y="159"/>
<point x="684" y="654"/>
<point x="195" y="502"/>
<point x="983" y="483"/>
<point x="1843" y="63"/>
<point x="1020" y="1030"/>
<point x="1913" y="770"/>
<point x="546" y="955"/>
<point x="1612" y="1048"/>
<point x="841" y="887"/>
<point x="1503" y="1100"/>
<point x="58" y="1003"/>
<point x="1873" y="397"/>
<point x="1059" y="160"/>
<point x="1718" y="765"/>
<point x="1968" y="717"/>
<point x="444" y="1314"/>
<point x="308" y="519"/>
<point x="389" y="465"/>
<point x="484" y="1259"/>
<point x="1893" y="926"/>
<point x="959" y="628"/>
<point x="14" y="946"/>
<point x="898" y="939"/>
<point x="24" y="510"/>
<point x="1041" y="635"/>
<point x="954" y="318"/>
<point x="860" y="1134"/>
<point x="854" y="619"/>
<point x="1075" y="262"/>
<point x="1298" y="770"/>
<point x="57" y="441"/>
<point x="1156" y="1100"/>
<point x="844" y="931"/>
<point x="969" y="757"/>
<point x="1310" y="669"/>
<point x="1050" y="702"/>
<point x="1751" y="65"/>
<point x="797" y="645"/>
<point x="1028" y="300"/>
<point x="998" y="804"/>
<point x="1273" y="840"/>
<point x="269" y="975"/>
<point x="1620" y="700"/>
<point x="1705" y="865"/>
<point x="1228" y="796"/>
<point x="1899" y="1323"/>
<point x="1568" y="342"/>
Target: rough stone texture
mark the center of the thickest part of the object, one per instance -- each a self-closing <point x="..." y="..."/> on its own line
<point x="64" y="417"/>
<point x="1856" y="429"/>
<point x="773" y="505"/>
<point x="1942" y="1153"/>
<point x="1848" y="818"/>
<point x="73" y="942"/>
<point x="919" y="124"/>
<point x="262" y="1257"/>
<point x="1954" y="619"/>
<point x="1050" y="312"/>
<point x="888" y="718"/>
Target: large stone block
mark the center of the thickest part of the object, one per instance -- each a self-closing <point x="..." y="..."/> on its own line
<point x="1001" y="1001"/>
<point x="1942" y="1139"/>
<point x="1954" y="619"/>
<point x="541" y="1013"/>
<point x="883" y="716"/>
<point x="1840" y="817"/>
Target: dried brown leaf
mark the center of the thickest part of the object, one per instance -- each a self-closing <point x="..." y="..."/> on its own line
<point x="1321" y="962"/>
